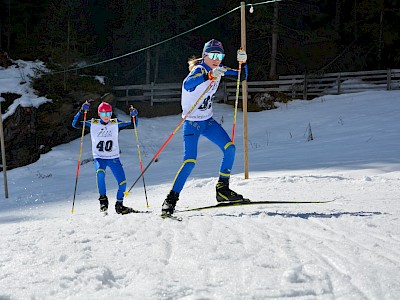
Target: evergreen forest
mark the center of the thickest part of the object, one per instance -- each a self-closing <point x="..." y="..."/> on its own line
<point x="283" y="38"/>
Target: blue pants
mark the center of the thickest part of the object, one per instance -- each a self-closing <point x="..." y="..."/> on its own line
<point x="191" y="134"/>
<point x="119" y="174"/>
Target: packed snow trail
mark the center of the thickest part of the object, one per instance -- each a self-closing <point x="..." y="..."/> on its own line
<point x="329" y="251"/>
<point x="346" y="249"/>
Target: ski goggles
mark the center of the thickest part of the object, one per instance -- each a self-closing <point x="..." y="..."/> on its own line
<point x="215" y="56"/>
<point x="105" y="114"/>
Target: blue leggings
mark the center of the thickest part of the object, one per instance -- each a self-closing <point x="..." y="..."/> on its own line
<point x="119" y="174"/>
<point x="191" y="134"/>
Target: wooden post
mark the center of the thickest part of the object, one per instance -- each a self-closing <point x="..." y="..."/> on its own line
<point x="305" y="86"/>
<point x="225" y="92"/>
<point x="293" y="88"/>
<point x="152" y="94"/>
<point x="244" y="93"/>
<point x="338" y="84"/>
<point x="389" y="80"/>
<point x="3" y="153"/>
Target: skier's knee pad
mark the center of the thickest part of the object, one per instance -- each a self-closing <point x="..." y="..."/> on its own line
<point x="121" y="190"/>
<point x="101" y="173"/>
<point x="189" y="164"/>
<point x="229" y="149"/>
<point x="186" y="167"/>
<point x="122" y="184"/>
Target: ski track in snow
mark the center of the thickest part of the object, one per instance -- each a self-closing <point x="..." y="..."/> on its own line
<point x="282" y="251"/>
<point x="346" y="249"/>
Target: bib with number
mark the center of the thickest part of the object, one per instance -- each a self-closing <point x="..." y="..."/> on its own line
<point x="104" y="139"/>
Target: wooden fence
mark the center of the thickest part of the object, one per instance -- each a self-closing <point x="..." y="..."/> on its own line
<point x="153" y="93"/>
<point x="295" y="86"/>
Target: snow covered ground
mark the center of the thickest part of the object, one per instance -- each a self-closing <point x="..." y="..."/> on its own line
<point x="16" y="79"/>
<point x="346" y="249"/>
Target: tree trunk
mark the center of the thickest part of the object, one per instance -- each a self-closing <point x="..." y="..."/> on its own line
<point x="67" y="54"/>
<point x="148" y="53"/>
<point x="68" y="41"/>
<point x="380" y="42"/>
<point x="157" y="50"/>
<point x="148" y="66"/>
<point x="8" y="29"/>
<point x="157" y="63"/>
<point x="338" y="15"/>
<point x="355" y="20"/>
<point x="274" y="50"/>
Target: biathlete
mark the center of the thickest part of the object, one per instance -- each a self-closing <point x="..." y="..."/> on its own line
<point x="205" y="75"/>
<point x="105" y="149"/>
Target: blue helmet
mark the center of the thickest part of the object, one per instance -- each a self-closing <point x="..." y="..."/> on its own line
<point x="212" y="46"/>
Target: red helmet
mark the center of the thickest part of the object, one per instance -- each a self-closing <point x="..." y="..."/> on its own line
<point x="104" y="107"/>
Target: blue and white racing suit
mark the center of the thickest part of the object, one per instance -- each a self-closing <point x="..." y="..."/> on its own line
<point x="200" y="122"/>
<point x="105" y="149"/>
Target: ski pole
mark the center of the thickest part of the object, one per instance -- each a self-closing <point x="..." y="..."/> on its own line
<point x="79" y="159"/>
<point x="236" y="103"/>
<point x="173" y="133"/>
<point x="140" y="156"/>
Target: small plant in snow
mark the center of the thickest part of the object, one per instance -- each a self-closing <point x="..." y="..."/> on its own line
<point x="268" y="134"/>
<point x="42" y="176"/>
<point x="254" y="145"/>
<point x="309" y="133"/>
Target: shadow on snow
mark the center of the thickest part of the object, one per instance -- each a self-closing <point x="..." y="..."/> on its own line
<point x="307" y="215"/>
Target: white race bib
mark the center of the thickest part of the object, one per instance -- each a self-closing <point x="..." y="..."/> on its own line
<point x="104" y="139"/>
<point x="203" y="110"/>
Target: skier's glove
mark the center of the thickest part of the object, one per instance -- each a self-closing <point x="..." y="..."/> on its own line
<point x="133" y="112"/>
<point x="241" y="56"/>
<point x="216" y="73"/>
<point x="85" y="106"/>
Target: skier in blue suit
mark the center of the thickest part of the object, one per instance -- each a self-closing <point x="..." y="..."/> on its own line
<point x="105" y="149"/>
<point x="203" y="72"/>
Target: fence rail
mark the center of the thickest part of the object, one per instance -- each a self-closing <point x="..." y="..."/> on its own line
<point x="295" y="86"/>
<point x="153" y="93"/>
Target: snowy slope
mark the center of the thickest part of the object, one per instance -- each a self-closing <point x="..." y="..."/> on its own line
<point x="346" y="249"/>
<point x="16" y="79"/>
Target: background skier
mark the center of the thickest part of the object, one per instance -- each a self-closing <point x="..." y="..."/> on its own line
<point x="105" y="149"/>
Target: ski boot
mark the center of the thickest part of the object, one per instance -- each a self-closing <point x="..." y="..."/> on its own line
<point x="103" y="203"/>
<point x="168" y="206"/>
<point x="121" y="209"/>
<point x="224" y="194"/>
